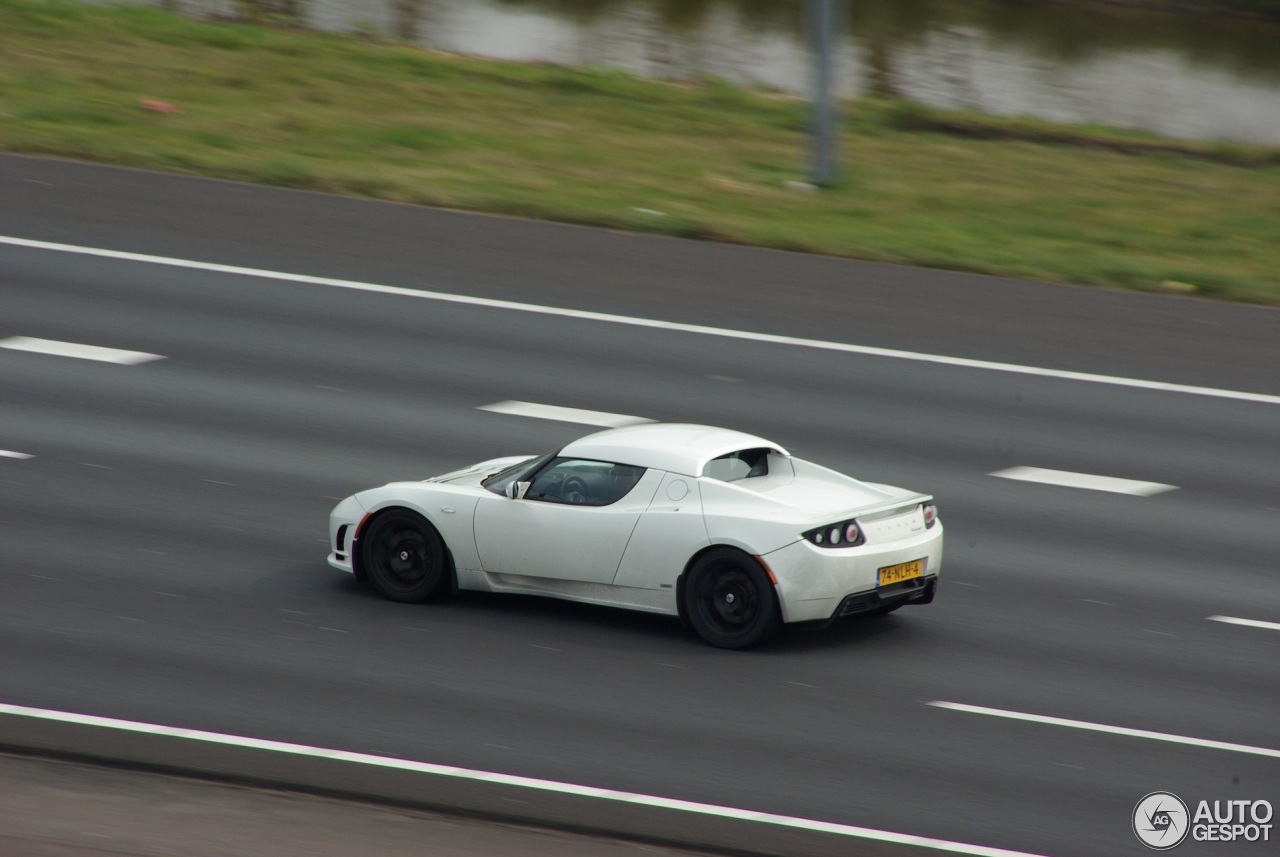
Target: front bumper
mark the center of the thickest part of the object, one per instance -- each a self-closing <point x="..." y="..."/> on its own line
<point x="343" y="520"/>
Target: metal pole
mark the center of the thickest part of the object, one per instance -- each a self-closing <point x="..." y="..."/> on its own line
<point x="822" y="16"/>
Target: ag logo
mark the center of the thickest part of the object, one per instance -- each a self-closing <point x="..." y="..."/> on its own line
<point x="1160" y="820"/>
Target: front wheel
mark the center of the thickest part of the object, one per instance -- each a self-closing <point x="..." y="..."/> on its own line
<point x="729" y="600"/>
<point x="404" y="557"/>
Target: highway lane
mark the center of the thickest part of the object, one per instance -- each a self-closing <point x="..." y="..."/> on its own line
<point x="165" y="548"/>
<point x="1168" y="338"/>
<point x="56" y="809"/>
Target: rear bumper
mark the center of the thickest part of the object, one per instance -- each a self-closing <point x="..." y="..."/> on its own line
<point x="918" y="591"/>
<point x="814" y="584"/>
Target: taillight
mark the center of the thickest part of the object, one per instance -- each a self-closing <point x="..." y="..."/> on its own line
<point x="845" y="534"/>
<point x="930" y="514"/>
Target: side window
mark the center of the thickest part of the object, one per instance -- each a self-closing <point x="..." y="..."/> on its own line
<point x="742" y="464"/>
<point x="580" y="482"/>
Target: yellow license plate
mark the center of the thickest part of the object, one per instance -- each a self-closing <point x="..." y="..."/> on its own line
<point x="900" y="572"/>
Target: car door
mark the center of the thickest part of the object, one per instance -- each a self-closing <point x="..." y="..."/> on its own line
<point x="671" y="531"/>
<point x="573" y="523"/>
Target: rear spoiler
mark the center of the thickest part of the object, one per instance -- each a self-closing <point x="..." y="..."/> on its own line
<point x="891" y="508"/>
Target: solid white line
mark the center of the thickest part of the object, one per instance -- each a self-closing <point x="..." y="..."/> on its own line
<point x="1250" y="623"/>
<point x="75" y="349"/>
<point x="649" y="323"/>
<point x="7" y="453"/>
<point x="1069" y="479"/>
<point x="511" y="780"/>
<point x="564" y="415"/>
<point x="1114" y="730"/>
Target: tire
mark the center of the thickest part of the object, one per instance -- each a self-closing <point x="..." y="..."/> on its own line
<point x="729" y="600"/>
<point x="404" y="557"/>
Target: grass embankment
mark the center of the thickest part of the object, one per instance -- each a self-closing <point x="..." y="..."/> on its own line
<point x="332" y="113"/>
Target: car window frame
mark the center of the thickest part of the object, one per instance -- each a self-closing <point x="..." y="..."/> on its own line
<point x="533" y="477"/>
<point x="498" y="482"/>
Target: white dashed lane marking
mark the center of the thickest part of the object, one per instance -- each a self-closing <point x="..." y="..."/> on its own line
<point x="8" y="453"/>
<point x="1248" y="623"/>
<point x="1112" y="730"/>
<point x="651" y="323"/>
<point x="1068" y="479"/>
<point x="848" y="831"/>
<point x="77" y="350"/>
<point x="564" y="415"/>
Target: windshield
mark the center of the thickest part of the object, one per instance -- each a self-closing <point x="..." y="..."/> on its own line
<point x="498" y="482"/>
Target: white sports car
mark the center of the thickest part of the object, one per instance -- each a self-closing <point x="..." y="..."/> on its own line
<point x="723" y="529"/>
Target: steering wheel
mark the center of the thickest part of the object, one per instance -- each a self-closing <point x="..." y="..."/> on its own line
<point x="574" y="490"/>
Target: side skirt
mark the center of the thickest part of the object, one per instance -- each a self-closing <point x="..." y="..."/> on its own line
<point x="661" y="601"/>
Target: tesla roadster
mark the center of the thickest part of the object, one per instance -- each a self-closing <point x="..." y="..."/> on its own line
<point x="726" y="530"/>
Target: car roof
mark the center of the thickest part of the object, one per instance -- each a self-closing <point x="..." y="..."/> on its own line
<point x="676" y="447"/>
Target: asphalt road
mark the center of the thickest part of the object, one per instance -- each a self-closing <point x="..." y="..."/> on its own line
<point x="59" y="809"/>
<point x="163" y="556"/>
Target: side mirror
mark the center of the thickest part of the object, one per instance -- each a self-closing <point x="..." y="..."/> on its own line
<point x="517" y="490"/>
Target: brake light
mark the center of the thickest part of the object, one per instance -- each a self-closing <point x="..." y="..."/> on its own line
<point x="845" y="534"/>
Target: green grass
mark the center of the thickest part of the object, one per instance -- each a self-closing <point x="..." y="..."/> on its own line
<point x="349" y="115"/>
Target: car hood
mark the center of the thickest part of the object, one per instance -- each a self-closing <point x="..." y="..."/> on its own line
<point x="477" y="473"/>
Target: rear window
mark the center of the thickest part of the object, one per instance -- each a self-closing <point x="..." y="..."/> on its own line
<point x="742" y="464"/>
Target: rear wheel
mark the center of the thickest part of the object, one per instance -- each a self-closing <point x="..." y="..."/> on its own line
<point x="404" y="557"/>
<point x="729" y="600"/>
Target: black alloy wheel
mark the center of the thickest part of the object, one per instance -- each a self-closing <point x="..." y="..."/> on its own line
<point x="403" y="556"/>
<point x="729" y="600"/>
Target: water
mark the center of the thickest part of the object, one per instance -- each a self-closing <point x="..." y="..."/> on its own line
<point x="1194" y="77"/>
